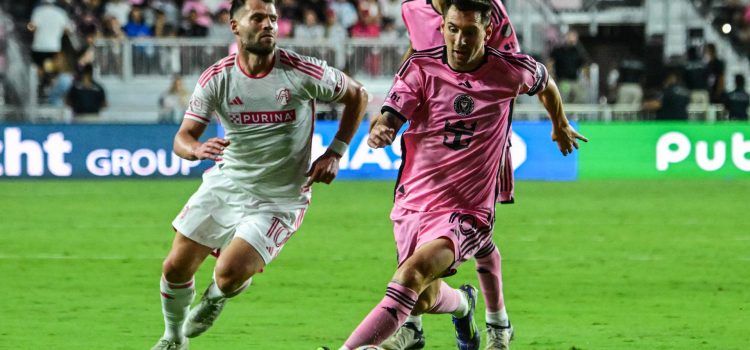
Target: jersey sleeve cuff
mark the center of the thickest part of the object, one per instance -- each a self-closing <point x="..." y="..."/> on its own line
<point x="394" y="112"/>
<point x="200" y="119"/>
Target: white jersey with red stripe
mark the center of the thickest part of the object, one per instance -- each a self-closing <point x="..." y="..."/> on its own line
<point x="268" y="120"/>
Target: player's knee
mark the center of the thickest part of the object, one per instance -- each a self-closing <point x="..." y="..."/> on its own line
<point x="175" y="272"/>
<point x="411" y="278"/>
<point x="230" y="278"/>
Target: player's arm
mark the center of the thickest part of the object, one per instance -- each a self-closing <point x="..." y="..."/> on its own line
<point x="325" y="168"/>
<point x="562" y="132"/>
<point x="383" y="129"/>
<point x="188" y="146"/>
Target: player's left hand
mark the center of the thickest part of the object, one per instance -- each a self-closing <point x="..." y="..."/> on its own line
<point x="566" y="138"/>
<point x="324" y="169"/>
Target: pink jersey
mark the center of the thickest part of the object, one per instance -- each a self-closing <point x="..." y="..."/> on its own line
<point x="458" y="126"/>
<point x="423" y="23"/>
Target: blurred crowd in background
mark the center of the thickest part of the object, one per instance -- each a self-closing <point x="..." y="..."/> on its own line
<point x="62" y="37"/>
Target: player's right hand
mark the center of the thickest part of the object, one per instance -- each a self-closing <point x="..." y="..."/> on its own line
<point x="212" y="149"/>
<point x="380" y="136"/>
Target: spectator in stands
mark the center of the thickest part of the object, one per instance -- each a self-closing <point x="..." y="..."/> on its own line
<point x="392" y="9"/>
<point x="119" y="9"/>
<point x="57" y="80"/>
<point x="696" y="77"/>
<point x="162" y="27"/>
<point x="95" y="7"/>
<point x="221" y="28"/>
<point x="136" y="26"/>
<point x="335" y="33"/>
<point x="171" y="12"/>
<point x="87" y="52"/>
<point x="112" y="29"/>
<point x="196" y="25"/>
<point x="48" y="23"/>
<point x="345" y="12"/>
<point x="372" y="8"/>
<point x="673" y="102"/>
<point x="368" y="26"/>
<point x="310" y="29"/>
<point x="629" y="88"/>
<point x="737" y="101"/>
<point x="567" y="61"/>
<point x="86" y="97"/>
<point x="174" y="102"/>
<point x="291" y="10"/>
<point x="716" y="78"/>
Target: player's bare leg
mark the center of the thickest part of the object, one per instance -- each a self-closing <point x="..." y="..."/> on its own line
<point x="232" y="275"/>
<point x="178" y="289"/>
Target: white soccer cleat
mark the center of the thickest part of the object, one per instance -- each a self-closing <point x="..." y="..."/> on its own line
<point x="498" y="338"/>
<point x="203" y="315"/>
<point x="166" y="344"/>
<point x="407" y="337"/>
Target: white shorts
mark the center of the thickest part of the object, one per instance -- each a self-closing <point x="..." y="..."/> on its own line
<point x="220" y="211"/>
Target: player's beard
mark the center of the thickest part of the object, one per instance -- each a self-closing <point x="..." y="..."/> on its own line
<point x="260" y="49"/>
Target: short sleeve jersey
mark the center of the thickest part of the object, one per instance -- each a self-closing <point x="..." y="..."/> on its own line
<point x="268" y="120"/>
<point x="458" y="125"/>
<point x="423" y="24"/>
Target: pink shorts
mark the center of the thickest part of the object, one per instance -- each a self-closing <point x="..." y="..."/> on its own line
<point x="468" y="230"/>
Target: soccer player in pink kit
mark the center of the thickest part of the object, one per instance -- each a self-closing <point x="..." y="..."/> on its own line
<point x="252" y="202"/>
<point x="423" y="19"/>
<point x="457" y="99"/>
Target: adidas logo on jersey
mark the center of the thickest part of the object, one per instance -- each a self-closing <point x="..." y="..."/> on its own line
<point x="235" y="101"/>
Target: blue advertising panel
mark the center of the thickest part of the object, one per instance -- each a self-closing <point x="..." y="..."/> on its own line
<point x="535" y="156"/>
<point x="93" y="151"/>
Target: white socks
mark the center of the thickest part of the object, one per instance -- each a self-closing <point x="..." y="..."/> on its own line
<point x="214" y="293"/>
<point x="463" y="307"/>
<point x="175" y="302"/>
<point x="499" y="318"/>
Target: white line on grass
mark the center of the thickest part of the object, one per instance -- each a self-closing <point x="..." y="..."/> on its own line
<point x="73" y="257"/>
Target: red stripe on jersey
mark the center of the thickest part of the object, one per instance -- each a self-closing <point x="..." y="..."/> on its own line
<point x="305" y="67"/>
<point x="166" y="296"/>
<point x="214" y="71"/>
<point x="302" y="69"/>
<point x="224" y="61"/>
<point x="199" y="117"/>
<point x="297" y="59"/>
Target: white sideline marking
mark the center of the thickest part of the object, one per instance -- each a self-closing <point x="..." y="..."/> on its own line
<point x="73" y="257"/>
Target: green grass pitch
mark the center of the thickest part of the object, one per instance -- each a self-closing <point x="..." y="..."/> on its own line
<point x="587" y="265"/>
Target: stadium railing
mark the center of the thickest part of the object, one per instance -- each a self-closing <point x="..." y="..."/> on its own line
<point x="159" y="57"/>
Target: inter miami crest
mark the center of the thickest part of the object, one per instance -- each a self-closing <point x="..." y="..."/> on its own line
<point x="463" y="105"/>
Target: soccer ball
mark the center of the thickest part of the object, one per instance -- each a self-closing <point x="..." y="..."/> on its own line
<point x="369" y="347"/>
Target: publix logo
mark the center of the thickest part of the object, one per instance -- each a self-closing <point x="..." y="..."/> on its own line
<point x="675" y="147"/>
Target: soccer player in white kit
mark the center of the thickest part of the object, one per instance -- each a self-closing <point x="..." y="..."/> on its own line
<point x="251" y="203"/>
<point x="457" y="99"/>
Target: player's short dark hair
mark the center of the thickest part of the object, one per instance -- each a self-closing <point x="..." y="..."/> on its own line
<point x="238" y="4"/>
<point x="484" y="7"/>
